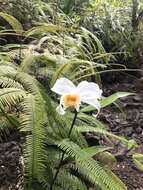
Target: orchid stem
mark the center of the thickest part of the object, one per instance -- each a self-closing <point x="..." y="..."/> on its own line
<point x="63" y="154"/>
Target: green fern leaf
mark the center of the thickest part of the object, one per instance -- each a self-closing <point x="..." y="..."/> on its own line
<point x="89" y="167"/>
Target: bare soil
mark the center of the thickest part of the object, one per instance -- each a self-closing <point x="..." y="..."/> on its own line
<point x="11" y="163"/>
<point x="128" y="122"/>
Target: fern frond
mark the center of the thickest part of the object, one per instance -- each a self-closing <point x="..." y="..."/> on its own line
<point x="10" y="96"/>
<point x="60" y="128"/>
<point x="6" y="70"/>
<point x="31" y="120"/>
<point x="90" y="121"/>
<point x="5" y="127"/>
<point x="70" y="182"/>
<point x="90" y="168"/>
<point x="99" y="131"/>
<point x="6" y="82"/>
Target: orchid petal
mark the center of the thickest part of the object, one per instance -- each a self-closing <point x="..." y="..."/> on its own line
<point x="89" y="90"/>
<point x="60" y="110"/>
<point x="93" y="102"/>
<point x="77" y="108"/>
<point x="63" y="86"/>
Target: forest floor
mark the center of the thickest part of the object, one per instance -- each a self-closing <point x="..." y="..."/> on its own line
<point x="11" y="163"/>
<point x="128" y="123"/>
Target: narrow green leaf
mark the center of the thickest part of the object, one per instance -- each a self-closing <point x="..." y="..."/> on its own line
<point x="108" y="100"/>
<point x="138" y="161"/>
<point x="93" y="150"/>
<point x="38" y="30"/>
<point x="14" y="23"/>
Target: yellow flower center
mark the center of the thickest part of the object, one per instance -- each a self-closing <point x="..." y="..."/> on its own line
<point x="71" y="100"/>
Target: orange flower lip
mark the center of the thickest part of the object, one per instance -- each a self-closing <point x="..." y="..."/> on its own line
<point x="71" y="100"/>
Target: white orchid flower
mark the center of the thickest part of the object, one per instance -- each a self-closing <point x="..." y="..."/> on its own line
<point x="73" y="96"/>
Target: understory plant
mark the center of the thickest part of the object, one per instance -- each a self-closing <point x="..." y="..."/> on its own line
<point x="25" y="106"/>
<point x="56" y="153"/>
<point x="118" y="25"/>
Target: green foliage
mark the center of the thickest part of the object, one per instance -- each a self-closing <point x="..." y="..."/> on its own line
<point x="28" y="105"/>
<point x="24" y="11"/>
<point x="46" y="134"/>
<point x="138" y="161"/>
<point x="108" y="100"/>
<point x="118" y="25"/>
<point x="27" y="97"/>
<point x="90" y="168"/>
<point x="16" y="25"/>
<point x="72" y="6"/>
